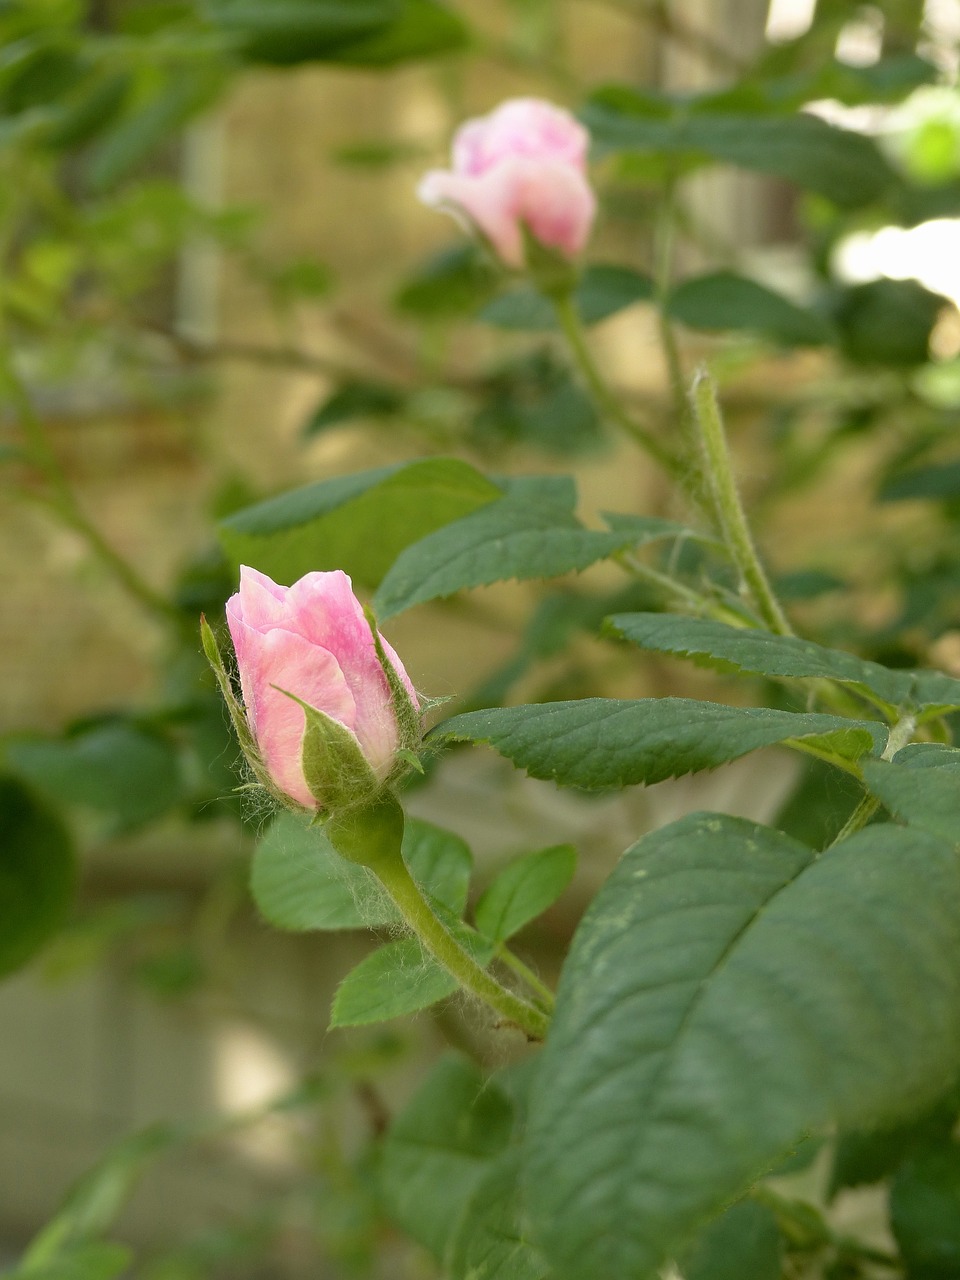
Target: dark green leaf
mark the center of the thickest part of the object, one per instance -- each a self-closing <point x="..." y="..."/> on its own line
<point x="299" y="881"/>
<point x="864" y="1157"/>
<point x="761" y="653"/>
<point x="531" y="532"/>
<point x="396" y="979"/>
<point x="926" y="797"/>
<point x="292" y="31"/>
<point x="36" y="874"/>
<point x="742" y="1242"/>
<point x="523" y="890"/>
<point x="925" y="1214"/>
<point x="358" y="523"/>
<point x="439" y="1148"/>
<point x="725" y="300"/>
<point x="598" y="743"/>
<point x="845" y="167"/>
<point x="603" y="290"/>
<point x="887" y="322"/>
<point x="115" y="766"/>
<point x="940" y="481"/>
<point x="354" y="400"/>
<point x="453" y="282"/>
<point x="422" y="29"/>
<point x="536" y="400"/>
<point x="728" y="992"/>
<point x="489" y="1243"/>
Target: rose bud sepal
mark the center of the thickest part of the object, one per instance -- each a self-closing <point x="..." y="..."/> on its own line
<point x="408" y="714"/>
<point x="235" y="710"/>
<point x="334" y="767"/>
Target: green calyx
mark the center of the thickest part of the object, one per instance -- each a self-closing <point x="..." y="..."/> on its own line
<point x="369" y="834"/>
<point x="408" y="714"/>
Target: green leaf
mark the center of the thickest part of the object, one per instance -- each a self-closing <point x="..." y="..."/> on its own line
<point x="286" y="32"/>
<point x="115" y="766"/>
<point x="358" y="523"/>
<point x="846" y="167"/>
<point x="887" y="322"/>
<point x="927" y="797"/>
<point x="37" y="874"/>
<point x="537" y="401"/>
<point x="603" y="291"/>
<point x="725" y="300"/>
<point x="764" y="654"/>
<point x="354" y="400"/>
<point x="599" y="743"/>
<point x="530" y="532"/>
<point x="299" y="882"/>
<point x="728" y="992"/>
<point x="93" y="1261"/>
<point x="422" y="29"/>
<point x="941" y="481"/>
<point x="453" y="282"/>
<point x="523" y="890"/>
<point x="438" y="1150"/>
<point x="489" y="1243"/>
<point x="396" y="979"/>
<point x="925" y="1214"/>
<point x="742" y="1242"/>
<point x="864" y="1157"/>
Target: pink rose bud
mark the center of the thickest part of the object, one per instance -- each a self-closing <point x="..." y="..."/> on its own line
<point x="309" y="649"/>
<point x="524" y="165"/>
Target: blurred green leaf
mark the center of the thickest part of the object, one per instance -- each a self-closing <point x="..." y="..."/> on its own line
<point x="886" y="322"/>
<point x="925" y="1213"/>
<point x="742" y="1242"/>
<point x="287" y="32"/>
<point x="489" y="1241"/>
<point x="97" y="1260"/>
<point x="453" y="282"/>
<point x="116" y="766"/>
<point x="845" y="167"/>
<point x="438" y="1150"/>
<point x="354" y="400"/>
<point x="359" y="523"/>
<point x="724" y="300"/>
<point x="603" y="291"/>
<point x="37" y="874"/>
<point x="422" y="29"/>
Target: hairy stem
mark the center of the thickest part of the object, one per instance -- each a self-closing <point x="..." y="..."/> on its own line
<point x="417" y="912"/>
<point x="603" y="397"/>
<point x="718" y="473"/>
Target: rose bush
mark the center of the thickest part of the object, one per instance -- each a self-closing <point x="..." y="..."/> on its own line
<point x="523" y="165"/>
<point x="312" y="641"/>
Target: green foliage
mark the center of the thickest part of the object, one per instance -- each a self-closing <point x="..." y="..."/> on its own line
<point x="359" y="523"/>
<point x="36" y="874"/>
<point x="761" y="653"/>
<point x="923" y="789"/>
<point x="440" y="1148"/>
<point x="299" y="881"/>
<point x="91" y="1261"/>
<point x="397" y="979"/>
<point x="845" y="167"/>
<point x="490" y="1242"/>
<point x="523" y="890"/>
<point x="536" y="401"/>
<point x="925" y="1213"/>
<point x="601" y="292"/>
<point x="744" y="1241"/>
<point x="724" y="300"/>
<point x="727" y="992"/>
<point x="354" y="400"/>
<point x="600" y="743"/>
<point x="530" y="532"/>
<point x="887" y="322"/>
<point x="453" y="282"/>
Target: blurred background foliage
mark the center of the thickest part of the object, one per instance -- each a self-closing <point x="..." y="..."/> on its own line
<point x="217" y="285"/>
